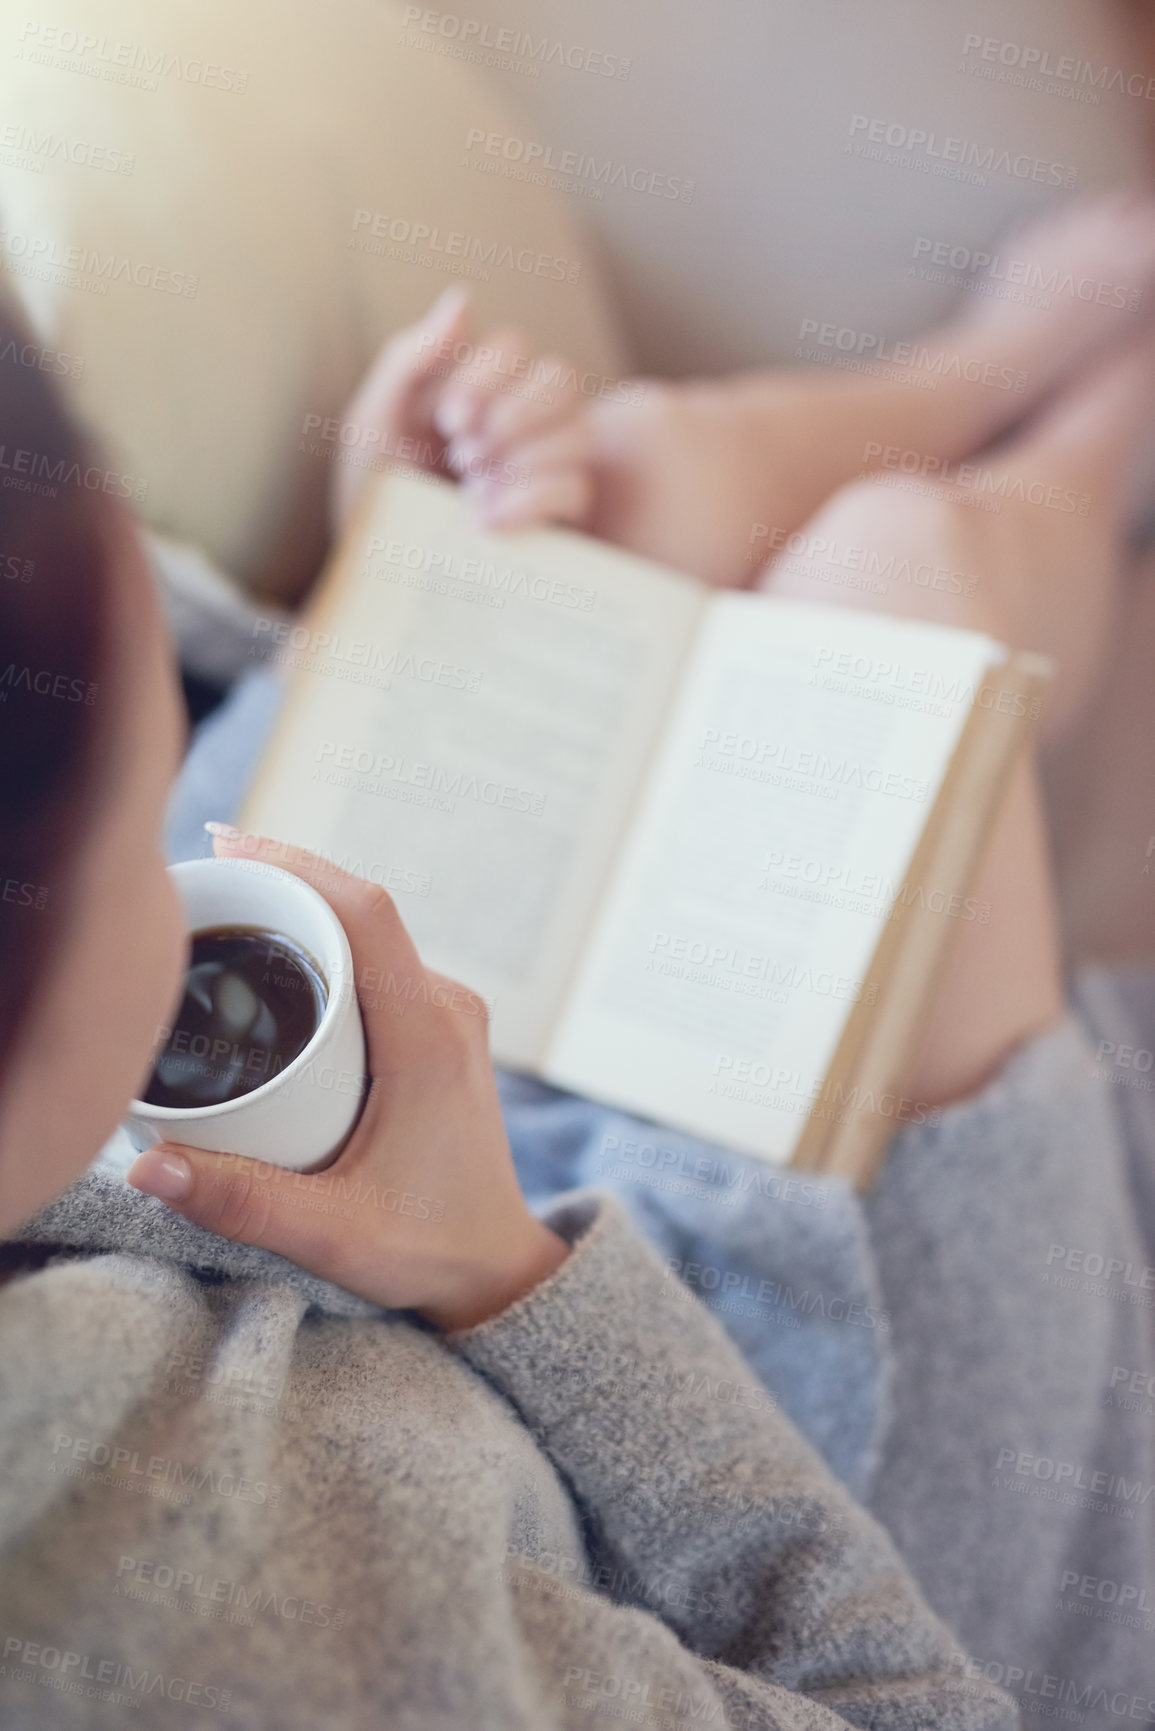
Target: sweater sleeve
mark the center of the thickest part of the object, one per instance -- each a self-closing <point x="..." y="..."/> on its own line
<point x="743" y="1582"/>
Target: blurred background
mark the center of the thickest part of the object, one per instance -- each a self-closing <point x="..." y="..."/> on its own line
<point x="215" y="214"/>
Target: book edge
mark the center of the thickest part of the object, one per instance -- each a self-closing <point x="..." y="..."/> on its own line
<point x="876" y="1051"/>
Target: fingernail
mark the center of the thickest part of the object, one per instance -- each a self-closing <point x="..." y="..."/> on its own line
<point x="159" y="1173"/>
<point x="455" y="412"/>
<point x="453" y="297"/>
<point x="463" y="454"/>
<point x="226" y="831"/>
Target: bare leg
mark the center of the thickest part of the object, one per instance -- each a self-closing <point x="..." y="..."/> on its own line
<point x="1100" y="782"/>
<point x="997" y="359"/>
<point x="706" y="475"/>
<point x="1101" y="796"/>
<point x="1047" y="579"/>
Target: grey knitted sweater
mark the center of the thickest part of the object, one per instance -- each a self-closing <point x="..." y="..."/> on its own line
<point x="232" y="1495"/>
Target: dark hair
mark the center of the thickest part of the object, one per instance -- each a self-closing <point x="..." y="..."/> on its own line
<point x="54" y="611"/>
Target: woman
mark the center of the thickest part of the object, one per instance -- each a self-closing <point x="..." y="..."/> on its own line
<point x="1001" y="1426"/>
<point x="236" y="1493"/>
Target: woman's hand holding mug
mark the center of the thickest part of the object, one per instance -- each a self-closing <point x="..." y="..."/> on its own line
<point x="422" y="1209"/>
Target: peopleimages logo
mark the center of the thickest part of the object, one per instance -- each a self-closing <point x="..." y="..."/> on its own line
<point x="186" y="1586"/>
<point x="1036" y="64"/>
<point x="820" y="554"/>
<point x="746" y="973"/>
<point x="1046" y="279"/>
<point x="37" y="472"/>
<point x="434" y="784"/>
<point x="504" y="581"/>
<point x="978" y="480"/>
<point x="43" y="683"/>
<point x="356" y="658"/>
<point x="569" y="168"/>
<point x="112" y="1680"/>
<point x="120" y="62"/>
<point x="738" y="749"/>
<point x="1108" y="1592"/>
<point x="35" y="255"/>
<point x="24" y="147"/>
<point x="942" y="153"/>
<point x="1052" y="1694"/>
<point x="130" y="1469"/>
<point x="721" y="1175"/>
<point x="731" y="1286"/>
<point x="783" y="1089"/>
<point x="506" y="48"/>
<point x="428" y="243"/>
<point x="867" y="670"/>
<point x="934" y="364"/>
<point x="1115" y="1487"/>
<point x="634" y="1698"/>
<point x="543" y="375"/>
<point x="40" y="359"/>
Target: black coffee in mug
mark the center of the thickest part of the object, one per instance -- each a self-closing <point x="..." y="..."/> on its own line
<point x="252" y="1002"/>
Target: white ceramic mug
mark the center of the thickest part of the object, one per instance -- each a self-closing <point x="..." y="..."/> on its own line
<point x="301" y="1117"/>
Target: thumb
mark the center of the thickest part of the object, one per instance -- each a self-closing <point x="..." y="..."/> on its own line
<point x="245" y="1200"/>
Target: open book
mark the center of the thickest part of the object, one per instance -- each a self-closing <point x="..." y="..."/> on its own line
<point x="702" y="852"/>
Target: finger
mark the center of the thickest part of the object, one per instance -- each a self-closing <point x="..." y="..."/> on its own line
<point x="392" y="991"/>
<point x="451" y="994"/>
<point x="563" y="496"/>
<point x="494" y="365"/>
<point x="395" y="398"/>
<point x="558" y="477"/>
<point x="247" y="1201"/>
<point x="570" y="445"/>
<point x="538" y="405"/>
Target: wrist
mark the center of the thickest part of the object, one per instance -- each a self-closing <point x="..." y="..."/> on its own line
<point x="484" y="1289"/>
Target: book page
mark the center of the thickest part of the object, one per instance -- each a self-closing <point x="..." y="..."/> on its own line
<point x="801" y="764"/>
<point x="469" y="719"/>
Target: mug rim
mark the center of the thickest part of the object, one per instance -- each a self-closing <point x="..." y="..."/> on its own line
<point x="334" y="1002"/>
